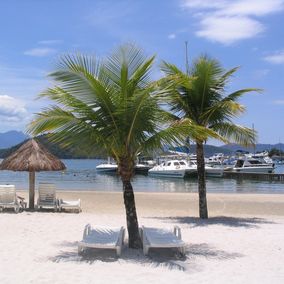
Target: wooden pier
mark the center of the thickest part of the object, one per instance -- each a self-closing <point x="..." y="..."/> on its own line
<point x="254" y="176"/>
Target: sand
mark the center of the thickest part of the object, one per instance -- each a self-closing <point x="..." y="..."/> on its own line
<point x="242" y="242"/>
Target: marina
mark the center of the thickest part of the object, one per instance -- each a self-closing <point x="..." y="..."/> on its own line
<point x="82" y="175"/>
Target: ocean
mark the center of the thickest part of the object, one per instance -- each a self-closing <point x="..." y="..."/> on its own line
<point x="81" y="175"/>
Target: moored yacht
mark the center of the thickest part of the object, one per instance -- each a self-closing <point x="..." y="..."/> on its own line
<point x="251" y="165"/>
<point x="173" y="168"/>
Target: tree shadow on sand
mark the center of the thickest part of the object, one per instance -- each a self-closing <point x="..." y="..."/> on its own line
<point x="218" y="220"/>
<point x="171" y="258"/>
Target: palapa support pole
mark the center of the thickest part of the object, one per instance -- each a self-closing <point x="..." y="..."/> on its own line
<point x="32" y="190"/>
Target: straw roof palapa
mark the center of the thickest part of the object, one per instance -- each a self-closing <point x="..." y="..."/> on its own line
<point x="32" y="157"/>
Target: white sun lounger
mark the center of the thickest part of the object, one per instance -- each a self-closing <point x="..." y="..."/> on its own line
<point x="161" y="238"/>
<point x="8" y="198"/>
<point x="70" y="205"/>
<point x="102" y="238"/>
<point x="47" y="196"/>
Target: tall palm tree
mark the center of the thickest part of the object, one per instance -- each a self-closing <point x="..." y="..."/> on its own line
<point x="110" y="104"/>
<point x="200" y="95"/>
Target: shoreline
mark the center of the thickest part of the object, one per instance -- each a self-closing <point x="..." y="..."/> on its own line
<point x="176" y="203"/>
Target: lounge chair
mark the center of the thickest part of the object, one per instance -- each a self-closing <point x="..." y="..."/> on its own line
<point x="69" y="205"/>
<point x="102" y="238"/>
<point x="161" y="238"/>
<point x="47" y="196"/>
<point x="9" y="199"/>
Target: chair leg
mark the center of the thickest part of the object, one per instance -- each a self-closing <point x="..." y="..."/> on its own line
<point x="80" y="250"/>
<point x="145" y="249"/>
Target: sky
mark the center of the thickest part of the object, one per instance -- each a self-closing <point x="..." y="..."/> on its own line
<point x="244" y="33"/>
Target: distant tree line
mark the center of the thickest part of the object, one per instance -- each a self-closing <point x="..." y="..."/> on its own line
<point x="275" y="152"/>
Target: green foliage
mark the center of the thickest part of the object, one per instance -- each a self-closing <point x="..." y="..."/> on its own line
<point x="201" y="97"/>
<point x="275" y="152"/>
<point x="110" y="104"/>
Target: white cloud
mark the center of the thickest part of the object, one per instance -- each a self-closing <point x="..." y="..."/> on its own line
<point x="50" y="42"/>
<point x="203" y="4"/>
<point x="231" y="21"/>
<point x="21" y="86"/>
<point x="253" y="7"/>
<point x="279" y="102"/>
<point x="260" y="73"/>
<point x="11" y="109"/>
<point x="228" y="29"/>
<point x="40" y="52"/>
<point x="276" y="58"/>
<point x="171" y="36"/>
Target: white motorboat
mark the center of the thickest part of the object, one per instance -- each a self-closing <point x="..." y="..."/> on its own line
<point x="111" y="167"/>
<point x="216" y="159"/>
<point x="214" y="171"/>
<point x="251" y="165"/>
<point x="107" y="168"/>
<point x="173" y="168"/>
<point x="211" y="170"/>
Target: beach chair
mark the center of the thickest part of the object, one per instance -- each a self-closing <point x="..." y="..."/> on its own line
<point x="70" y="205"/>
<point x="47" y="196"/>
<point x="8" y="198"/>
<point x="102" y="238"/>
<point x="161" y="238"/>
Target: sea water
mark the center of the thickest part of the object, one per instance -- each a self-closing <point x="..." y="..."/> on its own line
<point x="82" y="175"/>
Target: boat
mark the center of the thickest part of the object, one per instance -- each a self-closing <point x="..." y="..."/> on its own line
<point x="107" y="168"/>
<point x="211" y="170"/>
<point x="251" y="165"/>
<point x="173" y="168"/>
<point x="216" y="159"/>
<point x="214" y="171"/>
<point x="111" y="167"/>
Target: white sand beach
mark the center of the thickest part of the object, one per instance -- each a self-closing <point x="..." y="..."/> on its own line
<point x="242" y="242"/>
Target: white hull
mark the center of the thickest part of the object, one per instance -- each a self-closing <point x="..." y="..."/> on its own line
<point x="255" y="170"/>
<point x="167" y="173"/>
<point x="213" y="172"/>
<point x="173" y="169"/>
<point x="107" y="168"/>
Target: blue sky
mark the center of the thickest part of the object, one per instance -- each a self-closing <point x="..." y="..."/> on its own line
<point x="245" y="33"/>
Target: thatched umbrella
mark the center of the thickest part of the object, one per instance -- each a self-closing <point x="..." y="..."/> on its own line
<point x="32" y="157"/>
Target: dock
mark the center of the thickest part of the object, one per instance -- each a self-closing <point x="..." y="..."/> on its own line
<point x="254" y="176"/>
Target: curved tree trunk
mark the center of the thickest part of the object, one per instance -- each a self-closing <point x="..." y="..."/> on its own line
<point x="126" y="172"/>
<point x="131" y="216"/>
<point x="203" y="211"/>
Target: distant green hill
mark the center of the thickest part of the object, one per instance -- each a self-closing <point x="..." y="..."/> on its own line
<point x="57" y="150"/>
<point x="81" y="153"/>
<point x="209" y="150"/>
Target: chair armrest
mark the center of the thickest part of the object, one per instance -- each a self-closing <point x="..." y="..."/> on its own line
<point x="177" y="232"/>
<point x="87" y="230"/>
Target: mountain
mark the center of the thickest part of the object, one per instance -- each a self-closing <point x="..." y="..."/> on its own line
<point x="11" y="138"/>
<point x="59" y="151"/>
<point x="209" y="150"/>
<point x="258" y="147"/>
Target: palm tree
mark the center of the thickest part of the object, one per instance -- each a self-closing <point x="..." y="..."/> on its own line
<point x="200" y="95"/>
<point x="110" y="104"/>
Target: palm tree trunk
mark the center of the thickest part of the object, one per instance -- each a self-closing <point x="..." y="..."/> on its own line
<point x="126" y="169"/>
<point x="131" y="216"/>
<point x="203" y="211"/>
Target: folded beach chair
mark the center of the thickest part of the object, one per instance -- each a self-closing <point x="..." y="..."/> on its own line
<point x="47" y="196"/>
<point x="102" y="238"/>
<point x="161" y="238"/>
<point x="9" y="199"/>
<point x="70" y="205"/>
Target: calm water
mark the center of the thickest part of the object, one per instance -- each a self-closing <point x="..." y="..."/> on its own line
<point x="81" y="174"/>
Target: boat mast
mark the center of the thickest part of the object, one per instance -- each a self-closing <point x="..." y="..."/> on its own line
<point x="187" y="142"/>
<point x="254" y="142"/>
<point x="186" y="59"/>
